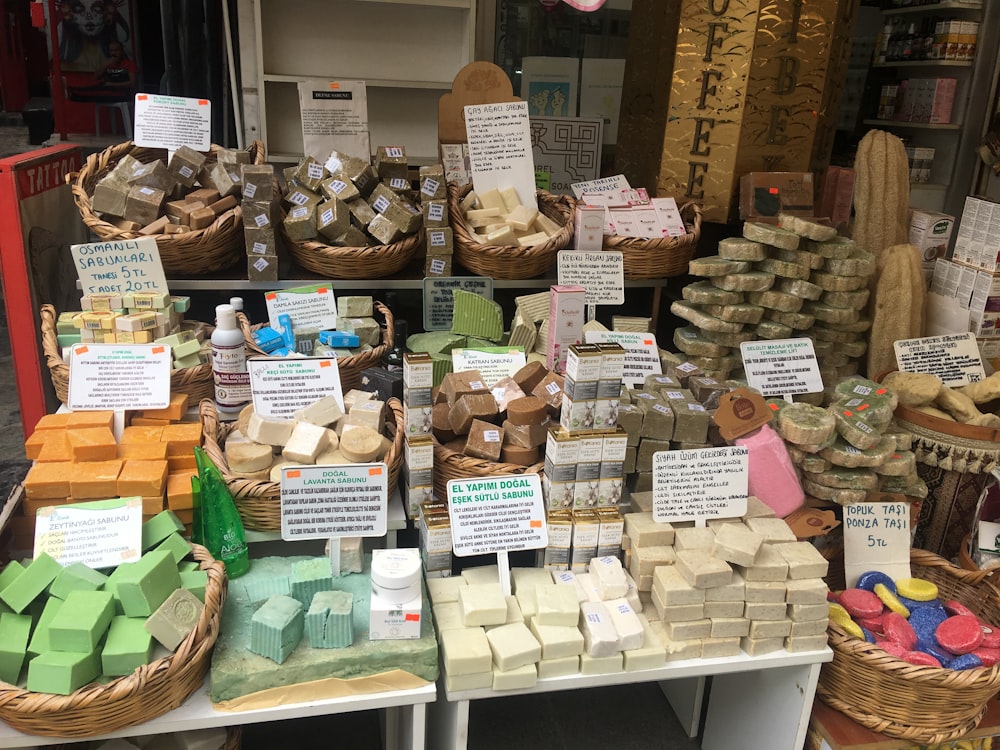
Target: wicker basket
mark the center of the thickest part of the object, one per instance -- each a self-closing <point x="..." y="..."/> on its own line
<point x="150" y="691"/>
<point x="449" y="464"/>
<point x="928" y="705"/>
<point x="200" y="251"/>
<point x="658" y="258"/>
<point x="196" y="382"/>
<point x="350" y="367"/>
<point x="509" y="261"/>
<point x="259" y="501"/>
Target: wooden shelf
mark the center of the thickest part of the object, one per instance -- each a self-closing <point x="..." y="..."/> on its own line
<point x="932" y="8"/>
<point x="370" y="82"/>
<point x="924" y="64"/>
<point x="915" y="125"/>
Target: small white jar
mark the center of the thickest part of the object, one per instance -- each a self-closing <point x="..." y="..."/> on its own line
<point x="395" y="574"/>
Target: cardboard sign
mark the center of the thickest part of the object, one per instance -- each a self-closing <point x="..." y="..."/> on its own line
<point x="500" y="149"/>
<point x="439" y="298"/>
<point x="954" y="358"/>
<point x="119" y="267"/>
<point x="172" y="121"/>
<point x="877" y="537"/>
<point x="99" y="534"/>
<point x="781" y="367"/>
<point x="479" y="82"/>
<point x="334" y="501"/>
<point x="602" y="274"/>
<point x="699" y="484"/>
<point x="334" y="117"/>
<point x="281" y="386"/>
<point x="642" y="356"/>
<point x="497" y="514"/>
<point x="493" y="364"/>
<point x="313" y="306"/>
<point x="119" y="376"/>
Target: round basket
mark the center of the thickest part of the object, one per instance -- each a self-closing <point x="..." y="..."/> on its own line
<point x="150" y="691"/>
<point x="350" y="367"/>
<point x="449" y="464"/>
<point x="927" y="705"/>
<point x="370" y="262"/>
<point x="259" y="501"/>
<point x="214" y="248"/>
<point x="658" y="258"/>
<point x="195" y="381"/>
<point x="510" y="261"/>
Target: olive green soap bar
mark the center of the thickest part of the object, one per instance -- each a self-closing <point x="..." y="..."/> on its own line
<point x="159" y="527"/>
<point x="145" y="585"/>
<point x="62" y="672"/>
<point x="474" y="315"/>
<point x="175" y="618"/>
<point x="81" y="621"/>
<point x="276" y="628"/>
<point x="14" y="633"/>
<point x="195" y="581"/>
<point x="176" y="545"/>
<point x="12" y="570"/>
<point x="40" y="637"/>
<point x="128" y="646"/>
<point x="76" y="577"/>
<point x="30" y="583"/>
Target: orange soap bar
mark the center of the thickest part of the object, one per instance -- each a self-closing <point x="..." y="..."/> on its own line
<point x="174" y="410"/>
<point x="142" y="478"/>
<point x="32" y="505"/>
<point x="95" y="480"/>
<point x="92" y="443"/>
<point x="152" y="505"/>
<point x="103" y="418"/>
<point x="179" y="493"/>
<point x="56" y="448"/>
<point x="182" y="463"/>
<point x="181" y="438"/>
<point x="53" y="421"/>
<point x="149" y="422"/>
<point x="144" y="451"/>
<point x="140" y="434"/>
<point x="33" y="444"/>
<point x="186" y="517"/>
<point x="46" y="481"/>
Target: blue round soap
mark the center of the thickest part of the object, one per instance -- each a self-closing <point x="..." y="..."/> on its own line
<point x="930" y="647"/>
<point x="868" y="580"/>
<point x="965" y="661"/>
<point x="912" y="604"/>
<point x="869" y="636"/>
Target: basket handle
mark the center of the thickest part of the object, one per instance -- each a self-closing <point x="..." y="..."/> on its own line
<point x="695" y="222"/>
<point x="50" y="341"/>
<point x="930" y="560"/>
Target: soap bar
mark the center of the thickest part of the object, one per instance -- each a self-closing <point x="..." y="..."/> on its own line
<point x="609" y="577"/>
<point x="626" y="623"/>
<point x="306" y="442"/>
<point x="443" y="590"/>
<point x="173" y="620"/>
<point x="62" y="672"/>
<point x="700" y="569"/>
<point x="466" y="651"/>
<point x="15" y="630"/>
<point x="599" y="635"/>
<point x="804" y="560"/>
<point x="276" y="628"/>
<point x="159" y="527"/>
<point x="482" y="604"/>
<point x="309" y="577"/>
<point x="557" y="605"/>
<point x="76" y="576"/>
<point x="557" y="641"/>
<point x="673" y="589"/>
<point x="558" y="667"/>
<point x="329" y="620"/>
<point x="645" y="532"/>
<point x="81" y="621"/>
<point x="735" y="543"/>
<point x="769" y="565"/>
<point x="128" y="646"/>
<point x="30" y="583"/>
<point x="513" y="646"/>
<point x="521" y="678"/>
<point x="144" y="585"/>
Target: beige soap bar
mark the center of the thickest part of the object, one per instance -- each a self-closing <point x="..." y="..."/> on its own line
<point x="466" y="651"/>
<point x="482" y="604"/>
<point x="701" y="569"/>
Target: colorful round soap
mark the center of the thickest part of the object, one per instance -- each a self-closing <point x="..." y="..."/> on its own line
<point x="869" y="635"/>
<point x="988" y="656"/>
<point x="920" y="658"/>
<point x="959" y="634"/>
<point x="891" y="647"/>
<point x="897" y="628"/>
<point x="930" y="647"/>
<point x="912" y="604"/>
<point x="965" y="661"/>
<point x="842" y="617"/>
<point x="868" y="580"/>
<point x="873" y="624"/>
<point x="991" y="635"/>
<point x="890" y="600"/>
<point x="918" y="589"/>
<point x="861" y="603"/>
<point x="955" y="607"/>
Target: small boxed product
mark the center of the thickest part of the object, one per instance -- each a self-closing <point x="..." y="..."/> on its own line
<point x="588" y="235"/>
<point x="771" y="193"/>
<point x="566" y="318"/>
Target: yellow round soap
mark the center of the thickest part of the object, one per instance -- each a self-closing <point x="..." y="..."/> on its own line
<point x="889" y="600"/>
<point x="842" y="617"/>
<point x="918" y="589"/>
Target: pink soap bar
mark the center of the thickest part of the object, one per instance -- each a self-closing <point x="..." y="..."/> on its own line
<point x="991" y="635"/>
<point x="955" y="607"/>
<point x="891" y="647"/>
<point x="875" y="624"/>
<point x="861" y="603"/>
<point x="959" y="634"/>
<point x="988" y="656"/>
<point x="899" y="630"/>
<point x="771" y="476"/>
<point x="919" y="657"/>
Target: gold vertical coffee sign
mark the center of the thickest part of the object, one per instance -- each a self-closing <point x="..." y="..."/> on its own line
<point x="715" y="47"/>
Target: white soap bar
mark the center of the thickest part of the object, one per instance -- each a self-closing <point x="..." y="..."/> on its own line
<point x="765" y="610"/>
<point x="589" y="585"/>
<point x="626" y="623"/>
<point x="513" y="613"/>
<point x="688" y="629"/>
<point x="527" y="240"/>
<point x="601" y="664"/>
<point x="355" y="396"/>
<point x="694" y="538"/>
<point x="307" y="442"/>
<point x="774" y="530"/>
<point x="368" y="414"/>
<point x="757" y="508"/>
<point x="717" y="648"/>
<point x="723" y="609"/>
<point x="529" y="577"/>
<point x="645" y="560"/>
<point x="805" y="643"/>
<point x="767" y="591"/>
<point x="673" y="589"/>
<point x="444" y="589"/>
<point x="510" y="198"/>
<point x="522" y="218"/>
<point x="503" y="235"/>
<point x="448" y="616"/>
<point x="466" y="651"/>
<point x="650" y="655"/>
<point x="557" y="641"/>
<point x="701" y="570"/>
<point x="599" y="635"/>
<point x="767" y="566"/>
<point x="770" y="628"/>
<point x="481" y="574"/>
<point x="558" y="667"/>
<point x="269" y="431"/>
<point x="678" y="612"/>
<point x="809" y="627"/>
<point x="556" y="605"/>
<point x="728" y="627"/>
<point x="477" y="681"/>
<point x="761" y="646"/>
<point x="520" y="678"/>
<point x="482" y="604"/>
<point x="492" y="199"/>
<point x="323" y="412"/>
<point x="569" y="578"/>
<point x="804" y="560"/>
<point x="645" y="532"/>
<point x="609" y="577"/>
<point x="547" y="225"/>
<point x="807" y="612"/>
<point x="528" y="601"/>
<point x="513" y="646"/>
<point x="737" y="544"/>
<point x="734" y="591"/>
<point x="675" y="650"/>
<point x="806" y="591"/>
<point x="249" y="457"/>
<point x="632" y="597"/>
<point x="360" y="443"/>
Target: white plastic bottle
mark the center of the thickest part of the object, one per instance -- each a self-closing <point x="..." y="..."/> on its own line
<point x="229" y="364"/>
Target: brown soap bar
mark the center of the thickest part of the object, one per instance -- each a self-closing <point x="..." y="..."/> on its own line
<point x="260" y="241"/>
<point x="126" y="226"/>
<point x="157" y="227"/>
<point x="380" y="198"/>
<point x="300" y="196"/>
<point x="202" y="217"/>
<point x="439" y="241"/>
<point x="707" y="391"/>
<point x="684" y="371"/>
<point x="519" y="455"/>
<point x="656" y="383"/>
<point x="438" y="265"/>
<point x="690" y="418"/>
<point x="262" y="267"/>
<point x="220" y="177"/>
<point x="384" y="230"/>
<point x="110" y="196"/>
<point x="398" y="185"/>
<point x="404" y="215"/>
<point x="126" y="167"/>
<point x="432" y="183"/>
<point x="208" y="196"/>
<point x="526" y="435"/>
<point x="527" y="410"/>
<point x="233" y="156"/>
<point x="256" y="214"/>
<point x="441" y="424"/>
<point x="362" y="174"/>
<point x="550" y="390"/>
<point x="456" y="384"/>
<point x="353" y="237"/>
<point x="143" y="204"/>
<point x="176" y="229"/>
<point x="185" y="164"/>
<point x="485" y="440"/>
<point x="310" y="173"/>
<point x="181" y="210"/>
<point x="332" y="219"/>
<point x="630" y="419"/>
<point x="530" y="375"/>
<point x="155" y="175"/>
<point x="258" y="182"/>
<point x="339" y="186"/>
<point x="361" y="214"/>
<point x="471" y="407"/>
<point x="657" y="422"/>
<point x="390" y="162"/>
<point x="300" y="224"/>
<point x="224" y="204"/>
<point x="644" y="454"/>
<point x="435" y="212"/>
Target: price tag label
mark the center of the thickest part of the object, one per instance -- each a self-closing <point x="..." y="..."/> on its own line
<point x="282" y="386"/>
<point x="119" y="376"/>
<point x="497" y="514"/>
<point x="877" y="537"/>
<point x="100" y="534"/>
<point x="601" y="274"/>
<point x="493" y="363"/>
<point x="312" y="306"/>
<point x="700" y="484"/>
<point x="954" y="358"/>
<point x="334" y="501"/>
<point x="120" y="267"/>
<point x="781" y="367"/>
<point x="642" y="356"/>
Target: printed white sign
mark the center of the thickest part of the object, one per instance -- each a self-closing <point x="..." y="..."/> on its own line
<point x="334" y="117"/>
<point x="602" y="274"/>
<point x="699" y="484"/>
<point x="119" y="376"/>
<point x="172" y="121"/>
<point x="500" y="149"/>
<point x="312" y="306"/>
<point x="493" y="363"/>
<point x="99" y="534"/>
<point x="334" y="501"/>
<point x="119" y="267"/>
<point x="954" y="358"/>
<point x="781" y="367"/>
<point x="877" y="537"/>
<point x="281" y="386"/>
<point x="439" y="297"/>
<point x="497" y="514"/>
<point x="642" y="355"/>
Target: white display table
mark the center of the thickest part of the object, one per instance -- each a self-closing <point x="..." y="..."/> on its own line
<point x="754" y="702"/>
<point x="405" y="717"/>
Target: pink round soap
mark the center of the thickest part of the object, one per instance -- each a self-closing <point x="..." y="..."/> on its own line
<point x="988" y="656"/>
<point x="959" y="634"/>
<point x="991" y="635"/>
<point x="861" y="603"/>
<point x="893" y="648"/>
<point x="920" y="658"/>
<point x="955" y="607"/>
<point x="898" y="629"/>
<point x="874" y="624"/>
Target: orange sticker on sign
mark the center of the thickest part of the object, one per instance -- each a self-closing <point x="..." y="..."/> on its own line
<point x="325" y="364"/>
<point x="536" y="524"/>
<point x="413" y="618"/>
<point x="159" y="349"/>
<point x="293" y="474"/>
<point x="375" y="471"/>
<point x="81" y="350"/>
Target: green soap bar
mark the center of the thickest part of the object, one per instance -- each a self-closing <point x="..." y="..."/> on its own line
<point x="175" y="618"/>
<point x="67" y="339"/>
<point x="81" y="621"/>
<point x="474" y="315"/>
<point x="195" y="581"/>
<point x="14" y="632"/>
<point x="188" y="565"/>
<point x="310" y="577"/>
<point x="186" y="349"/>
<point x="145" y="585"/>
<point x="177" y="546"/>
<point x="330" y="620"/>
<point x="159" y="527"/>
<point x="76" y="577"/>
<point x="40" y="642"/>
<point x="276" y="628"/>
<point x="32" y="581"/>
<point x="62" y="672"/>
<point x="262" y="589"/>
<point x="441" y="365"/>
<point x="180" y="302"/>
<point x="435" y="342"/>
<point x="9" y="573"/>
<point x="128" y="646"/>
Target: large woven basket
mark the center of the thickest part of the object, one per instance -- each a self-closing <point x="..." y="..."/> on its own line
<point x="928" y="705"/>
<point x="259" y="501"/>
<point x="350" y="367"/>
<point x="449" y="464"/>
<point x="658" y="258"/>
<point x="510" y="261"/>
<point x="150" y="691"/>
<point x="195" y="381"/>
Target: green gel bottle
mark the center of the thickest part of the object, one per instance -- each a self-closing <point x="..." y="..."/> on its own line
<point x="221" y="527"/>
